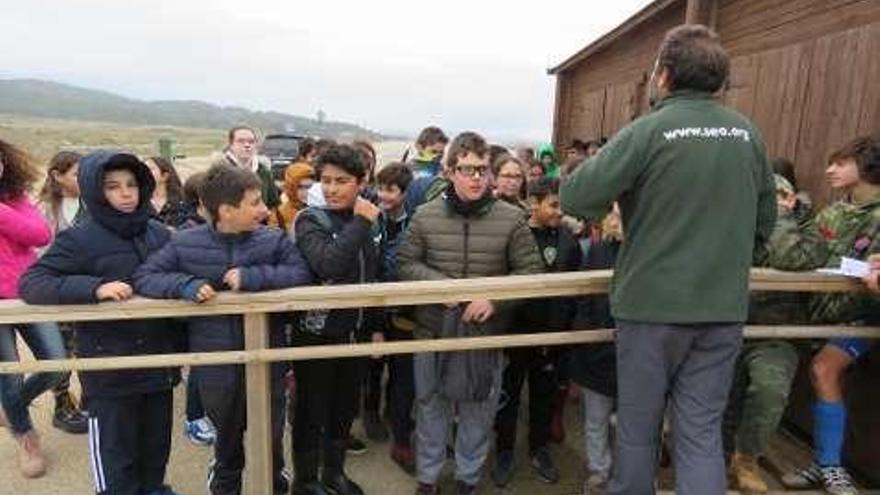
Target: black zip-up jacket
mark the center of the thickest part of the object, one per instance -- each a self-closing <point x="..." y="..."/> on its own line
<point x="341" y="248"/>
<point x="106" y="246"/>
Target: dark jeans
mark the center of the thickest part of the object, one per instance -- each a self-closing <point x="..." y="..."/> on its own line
<point x="16" y="392"/>
<point x="373" y="386"/>
<point x="690" y="367"/>
<point x="327" y="392"/>
<point x="194" y="408"/>
<point x="539" y="365"/>
<point x="226" y="407"/>
<point x="129" y="441"/>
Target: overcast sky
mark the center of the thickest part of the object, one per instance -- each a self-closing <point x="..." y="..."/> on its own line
<point x="390" y="65"/>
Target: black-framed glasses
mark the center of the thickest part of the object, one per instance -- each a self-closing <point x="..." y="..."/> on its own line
<point x="473" y="170"/>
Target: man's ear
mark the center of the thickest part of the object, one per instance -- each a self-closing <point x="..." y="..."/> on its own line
<point x="223" y="211"/>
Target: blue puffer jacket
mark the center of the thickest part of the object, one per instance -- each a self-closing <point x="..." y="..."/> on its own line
<point x="267" y="259"/>
<point x="107" y="245"/>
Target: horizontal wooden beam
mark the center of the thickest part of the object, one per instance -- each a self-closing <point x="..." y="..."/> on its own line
<point x="386" y="294"/>
<point x="400" y="347"/>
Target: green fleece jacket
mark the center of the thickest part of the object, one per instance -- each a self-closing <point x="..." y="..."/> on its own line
<point x="696" y="193"/>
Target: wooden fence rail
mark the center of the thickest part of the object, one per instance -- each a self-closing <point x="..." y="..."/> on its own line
<point x="255" y="308"/>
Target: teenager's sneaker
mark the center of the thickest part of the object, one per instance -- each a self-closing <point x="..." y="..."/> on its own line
<point x="375" y="428"/>
<point x="502" y="472"/>
<point x="283" y="481"/>
<point x="200" y="431"/>
<point x="462" y="488"/>
<point x="544" y="466"/>
<point x="355" y="446"/>
<point x="746" y="474"/>
<point x="30" y="455"/>
<point x="426" y="489"/>
<point x="68" y="417"/>
<point x="403" y="456"/>
<point x="595" y="484"/>
<point x="837" y="481"/>
<point x="834" y="479"/>
<point x="340" y="484"/>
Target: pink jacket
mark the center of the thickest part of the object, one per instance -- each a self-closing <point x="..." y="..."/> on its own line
<point x="22" y="230"/>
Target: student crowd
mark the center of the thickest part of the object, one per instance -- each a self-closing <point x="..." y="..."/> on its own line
<point x="680" y="217"/>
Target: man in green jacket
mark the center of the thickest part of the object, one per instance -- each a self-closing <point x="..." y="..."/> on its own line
<point x="464" y="233"/>
<point x="696" y="193"/>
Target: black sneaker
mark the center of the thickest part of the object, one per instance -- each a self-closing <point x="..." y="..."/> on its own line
<point x="375" y="428"/>
<point x="462" y="488"/>
<point x="355" y="446"/>
<point x="544" y="466"/>
<point x="502" y="473"/>
<point x="426" y="489"/>
<point x="68" y="417"/>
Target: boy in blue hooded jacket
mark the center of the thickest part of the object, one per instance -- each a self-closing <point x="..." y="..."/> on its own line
<point x="234" y="251"/>
<point x="129" y="410"/>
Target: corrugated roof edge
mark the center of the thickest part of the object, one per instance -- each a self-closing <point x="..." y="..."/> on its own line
<point x="641" y="16"/>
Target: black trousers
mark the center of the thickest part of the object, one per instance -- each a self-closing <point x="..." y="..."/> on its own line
<point x="226" y="407"/>
<point x="539" y="365"/>
<point x="402" y="391"/>
<point x="129" y="442"/>
<point x="326" y="401"/>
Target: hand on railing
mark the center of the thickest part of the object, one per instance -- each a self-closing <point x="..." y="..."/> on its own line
<point x="232" y="279"/>
<point x="114" y="291"/>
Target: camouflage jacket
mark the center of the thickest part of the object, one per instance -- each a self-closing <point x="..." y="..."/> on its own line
<point x="794" y="245"/>
<point x="850" y="230"/>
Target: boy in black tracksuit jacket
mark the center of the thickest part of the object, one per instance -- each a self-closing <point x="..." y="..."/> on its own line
<point x="129" y="410"/>
<point x="560" y="252"/>
<point x="341" y="244"/>
<point x="234" y="251"/>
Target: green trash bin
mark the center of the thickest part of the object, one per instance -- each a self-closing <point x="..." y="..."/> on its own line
<point x="167" y="149"/>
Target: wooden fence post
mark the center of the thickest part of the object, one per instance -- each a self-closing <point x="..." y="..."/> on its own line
<point x="258" y="439"/>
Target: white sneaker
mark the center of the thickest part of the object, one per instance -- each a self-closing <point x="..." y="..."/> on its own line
<point x="200" y="431"/>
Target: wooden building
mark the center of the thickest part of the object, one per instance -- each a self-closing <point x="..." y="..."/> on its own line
<point x="807" y="72"/>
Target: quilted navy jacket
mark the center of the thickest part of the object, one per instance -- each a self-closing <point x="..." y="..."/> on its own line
<point x="107" y="245"/>
<point x="267" y="259"/>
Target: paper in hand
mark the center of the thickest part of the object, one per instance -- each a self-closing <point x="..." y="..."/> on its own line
<point x="849" y="267"/>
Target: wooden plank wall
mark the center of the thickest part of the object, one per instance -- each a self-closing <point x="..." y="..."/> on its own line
<point x="806" y="72"/>
<point x="615" y="77"/>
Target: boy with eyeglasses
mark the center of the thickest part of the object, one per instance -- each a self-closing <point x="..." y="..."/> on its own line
<point x="464" y="233"/>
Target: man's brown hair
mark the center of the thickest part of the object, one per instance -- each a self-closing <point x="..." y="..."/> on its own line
<point x="694" y="58"/>
<point x="226" y="185"/>
<point x="865" y="151"/>
<point x="431" y="135"/>
<point x="464" y="143"/>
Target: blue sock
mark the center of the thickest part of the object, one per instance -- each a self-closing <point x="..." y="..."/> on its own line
<point x="829" y="425"/>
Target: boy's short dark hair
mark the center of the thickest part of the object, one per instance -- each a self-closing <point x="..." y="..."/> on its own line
<point x="230" y="137"/>
<point x="865" y="151"/>
<point x="694" y="58"/>
<point x="785" y="168"/>
<point x="191" y="188"/>
<point x="464" y="143"/>
<point x="226" y="185"/>
<point x="395" y="174"/>
<point x="306" y="147"/>
<point x="431" y="135"/>
<point x="342" y="156"/>
<point x="543" y="187"/>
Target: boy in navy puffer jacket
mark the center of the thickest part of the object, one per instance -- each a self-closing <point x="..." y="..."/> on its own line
<point x="129" y="410"/>
<point x="233" y="251"/>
